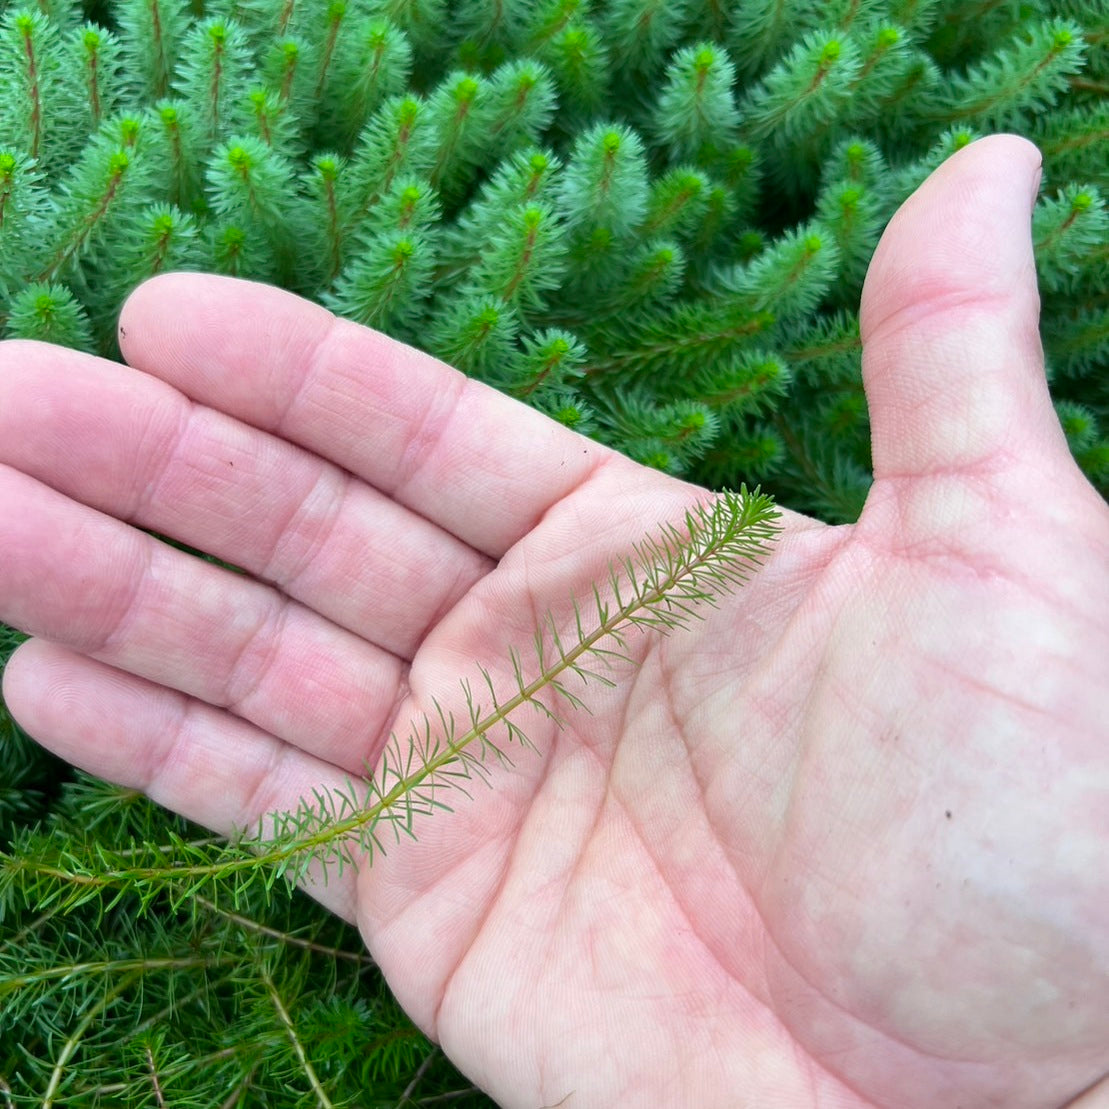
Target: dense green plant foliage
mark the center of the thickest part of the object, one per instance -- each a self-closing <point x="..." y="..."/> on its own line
<point x="649" y="219"/>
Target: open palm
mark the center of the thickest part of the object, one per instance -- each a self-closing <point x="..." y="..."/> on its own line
<point x="840" y="845"/>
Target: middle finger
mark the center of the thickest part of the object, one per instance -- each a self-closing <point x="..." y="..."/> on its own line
<point x="77" y="577"/>
<point x="132" y="446"/>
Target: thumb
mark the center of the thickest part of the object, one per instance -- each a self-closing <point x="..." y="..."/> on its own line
<point x="952" y="362"/>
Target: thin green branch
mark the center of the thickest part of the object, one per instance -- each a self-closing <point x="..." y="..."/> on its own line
<point x="658" y="587"/>
<point x="310" y="1073"/>
<point x="132" y="967"/>
<point x="284" y="937"/>
<point x="159" y="1099"/>
<point x="74" y="1040"/>
<point x="417" y="1078"/>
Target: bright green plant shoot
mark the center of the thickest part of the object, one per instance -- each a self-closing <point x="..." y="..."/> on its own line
<point x="657" y="588"/>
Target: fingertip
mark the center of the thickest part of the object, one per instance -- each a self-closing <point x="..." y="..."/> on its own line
<point x="967" y="224"/>
<point x="157" y="286"/>
<point x="142" y="302"/>
<point x="209" y="335"/>
<point x="952" y="361"/>
<point x="21" y="681"/>
<point x="174" y="313"/>
<point x="1023" y="155"/>
<point x="1011" y="144"/>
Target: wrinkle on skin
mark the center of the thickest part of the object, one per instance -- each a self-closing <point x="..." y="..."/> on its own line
<point x="421" y="454"/>
<point x="255" y="658"/>
<point x="128" y="605"/>
<point x="937" y="307"/>
<point x="169" y="444"/>
<point x="286" y="401"/>
<point x="307" y="529"/>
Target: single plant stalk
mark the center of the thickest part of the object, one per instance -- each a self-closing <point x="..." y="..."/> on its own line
<point x="656" y="588"/>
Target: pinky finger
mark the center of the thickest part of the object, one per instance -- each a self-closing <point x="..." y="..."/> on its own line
<point x="211" y="767"/>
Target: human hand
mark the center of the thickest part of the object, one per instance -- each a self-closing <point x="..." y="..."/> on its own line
<point x="841" y="844"/>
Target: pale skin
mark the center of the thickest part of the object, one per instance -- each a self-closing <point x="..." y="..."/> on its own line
<point x="841" y="845"/>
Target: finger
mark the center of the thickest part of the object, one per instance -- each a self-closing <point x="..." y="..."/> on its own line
<point x="90" y="582"/>
<point x="210" y="767"/>
<point x="484" y="467"/>
<point x="1096" y="1097"/>
<point x="132" y="446"/>
<point x="952" y="361"/>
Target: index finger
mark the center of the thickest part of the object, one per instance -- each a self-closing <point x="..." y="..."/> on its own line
<point x="477" y="463"/>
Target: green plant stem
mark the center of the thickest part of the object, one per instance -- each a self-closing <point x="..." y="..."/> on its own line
<point x="665" y="580"/>
<point x="321" y="1095"/>
<point x="284" y="937"/>
<point x="78" y="1033"/>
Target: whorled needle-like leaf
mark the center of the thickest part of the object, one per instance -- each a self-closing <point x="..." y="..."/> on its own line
<point x="657" y="588"/>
